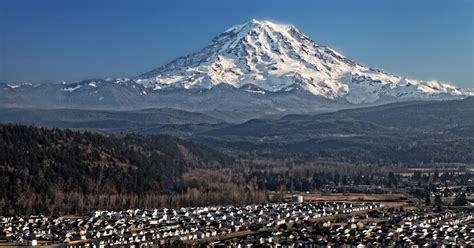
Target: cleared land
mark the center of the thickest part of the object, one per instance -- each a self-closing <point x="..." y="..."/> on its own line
<point x="389" y="200"/>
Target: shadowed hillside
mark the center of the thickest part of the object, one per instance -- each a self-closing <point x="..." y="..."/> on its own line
<point x="409" y="132"/>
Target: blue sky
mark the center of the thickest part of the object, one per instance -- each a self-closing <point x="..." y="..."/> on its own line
<point x="43" y="40"/>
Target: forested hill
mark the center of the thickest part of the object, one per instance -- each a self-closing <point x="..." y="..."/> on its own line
<point x="54" y="171"/>
<point x="407" y="132"/>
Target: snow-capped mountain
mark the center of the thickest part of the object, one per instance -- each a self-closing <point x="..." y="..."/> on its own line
<point x="276" y="57"/>
<point x="251" y="70"/>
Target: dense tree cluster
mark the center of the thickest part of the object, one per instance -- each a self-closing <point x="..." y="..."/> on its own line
<point x="53" y="170"/>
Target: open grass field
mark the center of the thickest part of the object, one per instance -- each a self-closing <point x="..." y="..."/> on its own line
<point x="389" y="200"/>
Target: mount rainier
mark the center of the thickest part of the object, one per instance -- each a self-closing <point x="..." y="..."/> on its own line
<point x="258" y="67"/>
<point x="278" y="57"/>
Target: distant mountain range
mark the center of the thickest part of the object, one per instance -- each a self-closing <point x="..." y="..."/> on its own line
<point x="251" y="70"/>
<point x="408" y="132"/>
<point x="404" y="132"/>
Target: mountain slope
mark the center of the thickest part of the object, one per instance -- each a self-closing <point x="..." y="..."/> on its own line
<point x="222" y="101"/>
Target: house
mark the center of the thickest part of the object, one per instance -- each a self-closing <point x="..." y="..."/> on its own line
<point x="30" y="240"/>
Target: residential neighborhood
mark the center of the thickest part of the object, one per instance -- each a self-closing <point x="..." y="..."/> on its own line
<point x="165" y="226"/>
<point x="375" y="229"/>
<point x="297" y="224"/>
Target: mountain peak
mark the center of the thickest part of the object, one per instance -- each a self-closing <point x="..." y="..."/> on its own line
<point x="257" y="31"/>
<point x="260" y="23"/>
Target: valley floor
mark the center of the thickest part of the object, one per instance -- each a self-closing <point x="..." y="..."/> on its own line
<point x="293" y="224"/>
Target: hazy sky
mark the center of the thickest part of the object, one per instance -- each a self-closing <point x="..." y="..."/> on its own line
<point x="44" y="40"/>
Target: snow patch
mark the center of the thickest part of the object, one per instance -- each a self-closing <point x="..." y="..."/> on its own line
<point x="256" y="91"/>
<point x="71" y="89"/>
